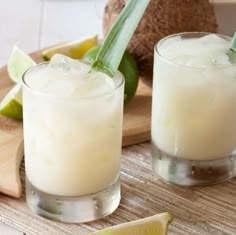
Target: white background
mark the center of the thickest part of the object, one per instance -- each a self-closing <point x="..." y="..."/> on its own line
<point x="36" y="24"/>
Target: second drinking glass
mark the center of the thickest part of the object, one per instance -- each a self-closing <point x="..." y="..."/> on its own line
<point x="194" y="109"/>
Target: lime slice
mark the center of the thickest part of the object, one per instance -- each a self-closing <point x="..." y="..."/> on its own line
<point x="74" y="50"/>
<point x="18" y="63"/>
<point x="11" y="105"/>
<point x="154" y="225"/>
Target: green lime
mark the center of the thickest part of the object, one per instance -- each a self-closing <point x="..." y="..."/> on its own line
<point x="11" y="105"/>
<point x="18" y="63"/>
<point x="154" y="225"/>
<point x="128" y="67"/>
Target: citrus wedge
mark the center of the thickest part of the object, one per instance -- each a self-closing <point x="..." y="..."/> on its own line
<point x="154" y="225"/>
<point x="18" y="63"/>
<point x="75" y="49"/>
<point x="11" y="105"/>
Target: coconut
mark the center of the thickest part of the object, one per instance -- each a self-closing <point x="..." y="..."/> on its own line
<point x="162" y="18"/>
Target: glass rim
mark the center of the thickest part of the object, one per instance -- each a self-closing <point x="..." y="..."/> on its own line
<point x="48" y="94"/>
<point x="169" y="61"/>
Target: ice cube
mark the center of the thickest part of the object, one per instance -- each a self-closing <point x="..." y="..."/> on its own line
<point x="202" y="52"/>
<point x="60" y="62"/>
<point x="60" y="87"/>
<point x="93" y="84"/>
<point x="66" y="64"/>
<point x="168" y="44"/>
<point x="66" y="77"/>
<point x="212" y="39"/>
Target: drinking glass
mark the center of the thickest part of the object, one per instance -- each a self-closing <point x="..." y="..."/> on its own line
<point x="72" y="148"/>
<point x="193" y="118"/>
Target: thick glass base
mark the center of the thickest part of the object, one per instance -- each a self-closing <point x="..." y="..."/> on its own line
<point x="73" y="209"/>
<point x="192" y="173"/>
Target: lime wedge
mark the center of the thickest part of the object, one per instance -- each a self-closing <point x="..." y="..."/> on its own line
<point x="11" y="105"/>
<point x="18" y="63"/>
<point x="154" y="225"/>
<point x="74" y="49"/>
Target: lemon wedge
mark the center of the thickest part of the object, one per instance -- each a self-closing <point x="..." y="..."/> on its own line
<point x="154" y="225"/>
<point x="18" y="63"/>
<point x="74" y="49"/>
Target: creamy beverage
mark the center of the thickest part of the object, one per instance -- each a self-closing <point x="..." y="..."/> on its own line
<point x="72" y="128"/>
<point x="194" y="98"/>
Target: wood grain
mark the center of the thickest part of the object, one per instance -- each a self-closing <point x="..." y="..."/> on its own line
<point x="11" y="147"/>
<point x="196" y="211"/>
<point x="11" y="154"/>
<point x="137" y="117"/>
<point x="4" y="230"/>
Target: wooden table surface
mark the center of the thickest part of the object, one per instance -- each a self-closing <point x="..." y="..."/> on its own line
<point x="197" y="211"/>
<point x="35" y="24"/>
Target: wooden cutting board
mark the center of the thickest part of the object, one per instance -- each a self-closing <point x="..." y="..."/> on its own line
<point x="136" y="129"/>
